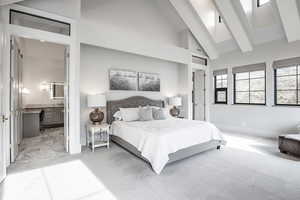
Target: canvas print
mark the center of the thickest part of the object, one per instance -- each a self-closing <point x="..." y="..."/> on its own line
<point x="149" y="82"/>
<point x="122" y="80"/>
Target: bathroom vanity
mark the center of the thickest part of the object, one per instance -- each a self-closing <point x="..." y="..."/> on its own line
<point x="39" y="117"/>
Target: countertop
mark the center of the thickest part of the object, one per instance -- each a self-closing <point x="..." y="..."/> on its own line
<point x="32" y="111"/>
<point x="41" y="106"/>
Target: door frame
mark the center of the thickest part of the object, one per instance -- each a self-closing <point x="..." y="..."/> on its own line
<point x="204" y="68"/>
<point x="74" y="67"/>
<point x="2" y="115"/>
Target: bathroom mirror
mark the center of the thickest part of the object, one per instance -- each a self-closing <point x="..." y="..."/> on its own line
<point x="57" y="90"/>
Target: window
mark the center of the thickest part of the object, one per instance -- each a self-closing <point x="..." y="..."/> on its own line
<point x="220" y="19"/>
<point x="262" y="2"/>
<point x="250" y="84"/>
<point x="38" y="22"/>
<point x="287" y="85"/>
<point x="220" y="77"/>
<point x="199" y="60"/>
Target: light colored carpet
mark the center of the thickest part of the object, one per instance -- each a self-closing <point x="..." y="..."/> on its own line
<point x="247" y="168"/>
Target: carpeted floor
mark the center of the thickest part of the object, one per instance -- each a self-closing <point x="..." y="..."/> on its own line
<point x="247" y="168"/>
<point x="49" y="145"/>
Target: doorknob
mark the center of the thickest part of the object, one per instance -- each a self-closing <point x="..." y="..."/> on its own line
<point x="4" y="118"/>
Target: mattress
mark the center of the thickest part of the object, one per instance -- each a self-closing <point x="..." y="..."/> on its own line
<point x="157" y="139"/>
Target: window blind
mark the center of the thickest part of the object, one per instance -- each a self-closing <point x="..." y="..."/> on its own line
<point x="286" y="62"/>
<point x="220" y="72"/>
<point x="249" y="68"/>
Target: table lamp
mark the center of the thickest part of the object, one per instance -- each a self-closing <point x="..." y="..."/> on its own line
<point x="175" y="102"/>
<point x="96" y="101"/>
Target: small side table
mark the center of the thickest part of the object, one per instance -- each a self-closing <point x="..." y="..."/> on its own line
<point x="103" y="132"/>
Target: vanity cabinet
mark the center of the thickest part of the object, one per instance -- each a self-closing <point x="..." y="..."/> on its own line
<point x="31" y="123"/>
<point x="52" y="117"/>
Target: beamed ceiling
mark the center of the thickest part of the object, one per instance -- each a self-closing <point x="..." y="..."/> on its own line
<point x="241" y="25"/>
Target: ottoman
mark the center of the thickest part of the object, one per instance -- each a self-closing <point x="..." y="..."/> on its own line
<point x="290" y="144"/>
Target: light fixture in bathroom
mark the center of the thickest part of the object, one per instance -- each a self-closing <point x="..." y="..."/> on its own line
<point x="25" y="91"/>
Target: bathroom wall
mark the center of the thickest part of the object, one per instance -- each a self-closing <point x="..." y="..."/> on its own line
<point x="43" y="63"/>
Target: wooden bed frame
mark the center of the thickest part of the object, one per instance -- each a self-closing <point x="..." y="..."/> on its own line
<point x="136" y="101"/>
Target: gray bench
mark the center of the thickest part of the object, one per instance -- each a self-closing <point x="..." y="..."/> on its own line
<point x="290" y="144"/>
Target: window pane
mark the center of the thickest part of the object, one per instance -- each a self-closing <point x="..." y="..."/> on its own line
<point x="286" y="71"/>
<point x="242" y="85"/>
<point x="221" y="96"/>
<point x="298" y="69"/>
<point x="257" y="84"/>
<point x="286" y="97"/>
<point x="239" y="76"/>
<point x="40" y="23"/>
<point x="257" y="97"/>
<point x="257" y="74"/>
<point x="219" y="77"/>
<point x="224" y="76"/>
<point x="242" y="97"/>
<point x="224" y="85"/>
<point x="286" y="83"/>
<point x="219" y="84"/>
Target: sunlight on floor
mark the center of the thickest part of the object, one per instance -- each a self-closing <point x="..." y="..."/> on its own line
<point x="66" y="181"/>
<point x="245" y="144"/>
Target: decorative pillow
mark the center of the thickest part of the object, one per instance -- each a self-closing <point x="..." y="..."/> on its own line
<point x="159" y="114"/>
<point x="130" y="114"/>
<point x="118" y="116"/>
<point x="145" y="114"/>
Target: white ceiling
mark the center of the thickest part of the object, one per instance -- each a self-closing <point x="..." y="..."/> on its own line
<point x="244" y="25"/>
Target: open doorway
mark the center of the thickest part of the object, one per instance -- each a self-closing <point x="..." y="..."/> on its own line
<point x="38" y="100"/>
<point x="198" y="94"/>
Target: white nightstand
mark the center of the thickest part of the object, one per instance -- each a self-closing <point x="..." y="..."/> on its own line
<point x="94" y="130"/>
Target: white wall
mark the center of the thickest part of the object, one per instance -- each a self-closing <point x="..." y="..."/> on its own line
<point x="66" y="8"/>
<point x="135" y="19"/>
<point x="42" y="62"/>
<point x="269" y="120"/>
<point x="96" y="62"/>
<point x="133" y="26"/>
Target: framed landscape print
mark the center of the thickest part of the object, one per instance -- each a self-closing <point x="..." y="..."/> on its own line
<point x="122" y="79"/>
<point x="148" y="82"/>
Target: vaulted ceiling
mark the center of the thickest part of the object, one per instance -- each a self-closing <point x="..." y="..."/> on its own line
<point x="241" y="25"/>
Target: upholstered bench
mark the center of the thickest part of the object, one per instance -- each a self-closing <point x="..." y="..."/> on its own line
<point x="290" y="144"/>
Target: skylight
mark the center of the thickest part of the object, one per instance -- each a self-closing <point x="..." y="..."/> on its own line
<point x="262" y="2"/>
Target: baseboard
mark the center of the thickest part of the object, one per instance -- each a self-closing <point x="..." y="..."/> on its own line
<point x="248" y="131"/>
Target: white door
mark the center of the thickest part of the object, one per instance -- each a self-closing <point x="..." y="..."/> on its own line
<point x="14" y="100"/>
<point x="3" y="118"/>
<point x="199" y="95"/>
<point x="66" y="99"/>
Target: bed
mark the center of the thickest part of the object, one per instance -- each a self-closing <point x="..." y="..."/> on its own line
<point x="161" y="142"/>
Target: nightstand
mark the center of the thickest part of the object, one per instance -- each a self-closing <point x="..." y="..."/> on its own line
<point x="101" y="131"/>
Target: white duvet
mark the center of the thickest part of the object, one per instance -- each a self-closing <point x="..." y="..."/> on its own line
<point x="158" y="138"/>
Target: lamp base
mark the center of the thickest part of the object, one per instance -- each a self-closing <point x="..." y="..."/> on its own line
<point x="175" y="112"/>
<point x="96" y="116"/>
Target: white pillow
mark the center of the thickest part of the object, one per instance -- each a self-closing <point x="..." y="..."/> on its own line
<point x="130" y="114"/>
<point x="118" y="116"/>
<point x="167" y="113"/>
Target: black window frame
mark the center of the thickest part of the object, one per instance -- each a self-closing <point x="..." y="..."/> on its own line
<point x="297" y="87"/>
<point x="41" y="17"/>
<point x="265" y="89"/>
<point x="222" y="89"/>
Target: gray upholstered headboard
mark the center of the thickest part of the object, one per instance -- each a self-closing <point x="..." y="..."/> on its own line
<point x="131" y="102"/>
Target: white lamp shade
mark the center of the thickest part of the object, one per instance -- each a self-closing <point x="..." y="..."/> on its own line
<point x="97" y="100"/>
<point x="175" y="101"/>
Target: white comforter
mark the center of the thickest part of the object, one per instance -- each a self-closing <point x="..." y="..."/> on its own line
<point x="159" y="138"/>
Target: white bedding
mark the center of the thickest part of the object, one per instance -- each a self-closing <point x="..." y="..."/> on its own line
<point x="158" y="138"/>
